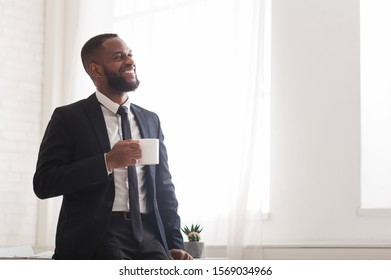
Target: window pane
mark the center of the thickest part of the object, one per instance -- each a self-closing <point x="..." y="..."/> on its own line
<point x="197" y="65"/>
<point x="376" y="103"/>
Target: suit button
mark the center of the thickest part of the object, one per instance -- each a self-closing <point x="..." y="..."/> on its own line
<point x="109" y="204"/>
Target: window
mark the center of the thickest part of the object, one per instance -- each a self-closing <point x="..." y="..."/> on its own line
<point x="375" y="103"/>
<point x="204" y="68"/>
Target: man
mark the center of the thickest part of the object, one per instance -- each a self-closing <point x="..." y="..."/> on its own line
<point x="86" y="158"/>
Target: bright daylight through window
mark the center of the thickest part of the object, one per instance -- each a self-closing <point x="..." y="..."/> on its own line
<point x="204" y="68"/>
<point x="375" y="103"/>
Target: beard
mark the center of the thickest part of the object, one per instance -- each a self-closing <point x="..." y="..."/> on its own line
<point x="119" y="83"/>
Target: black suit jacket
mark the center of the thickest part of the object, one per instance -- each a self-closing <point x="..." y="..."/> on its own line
<point x="71" y="163"/>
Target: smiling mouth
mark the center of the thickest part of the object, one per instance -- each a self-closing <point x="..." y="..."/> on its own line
<point x="129" y="73"/>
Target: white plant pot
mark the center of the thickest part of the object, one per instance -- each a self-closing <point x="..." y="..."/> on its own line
<point x="195" y="248"/>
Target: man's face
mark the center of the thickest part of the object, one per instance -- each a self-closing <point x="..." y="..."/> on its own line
<point x="119" y="66"/>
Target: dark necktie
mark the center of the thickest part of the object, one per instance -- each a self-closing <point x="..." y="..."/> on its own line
<point x="134" y="205"/>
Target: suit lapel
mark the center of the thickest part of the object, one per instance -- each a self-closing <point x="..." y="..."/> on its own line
<point x="142" y="121"/>
<point x="94" y="112"/>
<point x="150" y="170"/>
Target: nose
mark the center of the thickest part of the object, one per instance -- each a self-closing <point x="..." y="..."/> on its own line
<point x="130" y="61"/>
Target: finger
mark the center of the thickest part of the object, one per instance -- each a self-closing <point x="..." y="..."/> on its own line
<point x="132" y="141"/>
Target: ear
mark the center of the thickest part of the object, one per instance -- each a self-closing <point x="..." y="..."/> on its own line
<point x="95" y="70"/>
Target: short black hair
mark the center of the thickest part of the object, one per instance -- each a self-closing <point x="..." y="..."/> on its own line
<point x="88" y="51"/>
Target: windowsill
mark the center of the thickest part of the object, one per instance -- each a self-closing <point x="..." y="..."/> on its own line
<point x="374" y="212"/>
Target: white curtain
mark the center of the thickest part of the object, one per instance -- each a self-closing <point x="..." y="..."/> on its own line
<point x="203" y="67"/>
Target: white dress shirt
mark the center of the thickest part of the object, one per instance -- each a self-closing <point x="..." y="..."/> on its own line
<point x="114" y="131"/>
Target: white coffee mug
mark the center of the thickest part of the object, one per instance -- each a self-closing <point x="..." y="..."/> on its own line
<point x="149" y="151"/>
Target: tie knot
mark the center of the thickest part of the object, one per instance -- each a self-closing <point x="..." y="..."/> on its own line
<point x="122" y="110"/>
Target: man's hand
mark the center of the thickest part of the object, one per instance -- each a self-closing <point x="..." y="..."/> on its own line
<point x="123" y="154"/>
<point x="178" y="254"/>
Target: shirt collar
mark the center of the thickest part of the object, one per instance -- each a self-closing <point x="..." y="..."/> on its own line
<point x="109" y="104"/>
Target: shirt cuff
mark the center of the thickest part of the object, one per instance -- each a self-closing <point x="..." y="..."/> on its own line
<point x="108" y="171"/>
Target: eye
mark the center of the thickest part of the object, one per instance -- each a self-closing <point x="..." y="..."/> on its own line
<point x="118" y="56"/>
<point x="121" y="56"/>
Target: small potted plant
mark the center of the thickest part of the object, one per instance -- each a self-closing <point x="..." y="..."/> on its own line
<point x="193" y="246"/>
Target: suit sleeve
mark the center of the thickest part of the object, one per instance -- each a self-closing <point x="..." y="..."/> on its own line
<point x="63" y="165"/>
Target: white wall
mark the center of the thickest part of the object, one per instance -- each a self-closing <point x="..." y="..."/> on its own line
<point x="315" y="192"/>
<point x="21" y="65"/>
